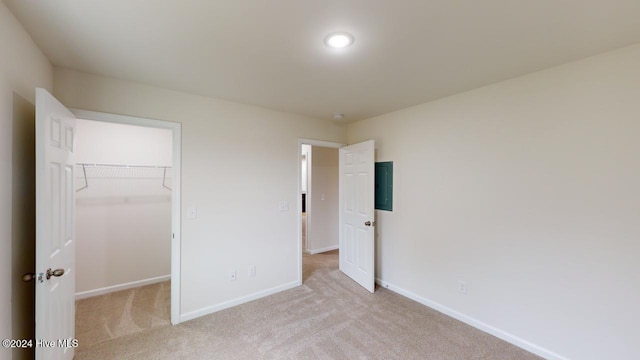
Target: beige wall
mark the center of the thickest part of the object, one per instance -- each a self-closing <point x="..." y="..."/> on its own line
<point x="22" y="68"/>
<point x="528" y="190"/>
<point x="238" y="163"/>
<point x="322" y="215"/>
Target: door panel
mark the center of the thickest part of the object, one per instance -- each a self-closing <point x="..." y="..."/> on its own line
<point x="55" y="228"/>
<point x="356" y="210"/>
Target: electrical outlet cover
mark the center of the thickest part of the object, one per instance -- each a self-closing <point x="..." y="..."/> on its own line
<point x="462" y="287"/>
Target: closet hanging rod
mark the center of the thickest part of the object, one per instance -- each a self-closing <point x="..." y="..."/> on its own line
<point x="87" y="165"/>
<point x="124" y="166"/>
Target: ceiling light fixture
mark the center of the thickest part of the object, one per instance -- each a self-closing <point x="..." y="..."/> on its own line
<point x="338" y="116"/>
<point x="338" y="40"/>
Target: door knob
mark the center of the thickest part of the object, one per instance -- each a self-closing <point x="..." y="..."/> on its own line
<point x="367" y="223"/>
<point x="31" y="276"/>
<point x="56" y="273"/>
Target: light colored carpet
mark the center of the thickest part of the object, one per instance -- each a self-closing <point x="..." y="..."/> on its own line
<point x="328" y="317"/>
<point x="110" y="316"/>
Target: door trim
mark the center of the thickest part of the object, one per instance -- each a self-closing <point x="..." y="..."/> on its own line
<point x="320" y="143"/>
<point x="176" y="196"/>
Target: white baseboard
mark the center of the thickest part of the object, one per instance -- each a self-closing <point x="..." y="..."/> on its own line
<point x="318" y="251"/>
<point x="241" y="300"/>
<point x="119" y="287"/>
<point x="501" y="334"/>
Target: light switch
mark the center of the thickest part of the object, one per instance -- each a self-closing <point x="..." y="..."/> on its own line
<point x="192" y="213"/>
<point x="284" y="206"/>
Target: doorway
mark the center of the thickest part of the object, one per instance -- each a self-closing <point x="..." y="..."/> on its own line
<point x="318" y="206"/>
<point x="123" y="229"/>
<point x="162" y="174"/>
<point x="55" y="164"/>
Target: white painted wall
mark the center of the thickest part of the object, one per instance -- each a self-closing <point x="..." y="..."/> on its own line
<point x="111" y="143"/>
<point x="22" y="68"/>
<point x="529" y="191"/>
<point x="322" y="215"/>
<point x="123" y="219"/>
<point x="234" y="157"/>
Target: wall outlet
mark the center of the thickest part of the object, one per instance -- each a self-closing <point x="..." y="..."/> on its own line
<point x="232" y="275"/>
<point x="252" y="271"/>
<point x="462" y="286"/>
<point x="284" y="205"/>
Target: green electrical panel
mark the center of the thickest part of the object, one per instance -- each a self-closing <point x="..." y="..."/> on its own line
<point x="384" y="185"/>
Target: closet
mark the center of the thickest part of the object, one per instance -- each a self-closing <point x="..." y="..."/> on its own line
<point x="123" y="207"/>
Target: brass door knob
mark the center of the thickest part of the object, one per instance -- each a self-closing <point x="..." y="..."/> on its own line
<point x="56" y="273"/>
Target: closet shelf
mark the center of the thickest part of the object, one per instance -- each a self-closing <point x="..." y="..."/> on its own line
<point x="87" y="171"/>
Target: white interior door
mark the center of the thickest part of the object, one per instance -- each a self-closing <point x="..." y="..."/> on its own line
<point x="357" y="188"/>
<point x="55" y="228"/>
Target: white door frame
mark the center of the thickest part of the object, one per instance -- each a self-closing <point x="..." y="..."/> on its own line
<point x="176" y="129"/>
<point x="321" y="143"/>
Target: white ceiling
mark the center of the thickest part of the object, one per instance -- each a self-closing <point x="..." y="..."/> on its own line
<point x="271" y="52"/>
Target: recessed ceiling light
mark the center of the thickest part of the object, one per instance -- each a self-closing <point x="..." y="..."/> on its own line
<point x="338" y="40"/>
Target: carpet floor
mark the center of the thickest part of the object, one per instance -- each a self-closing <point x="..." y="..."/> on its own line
<point x="328" y="317"/>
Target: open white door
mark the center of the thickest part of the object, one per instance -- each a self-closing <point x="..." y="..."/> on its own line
<point x="55" y="229"/>
<point x="357" y="191"/>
